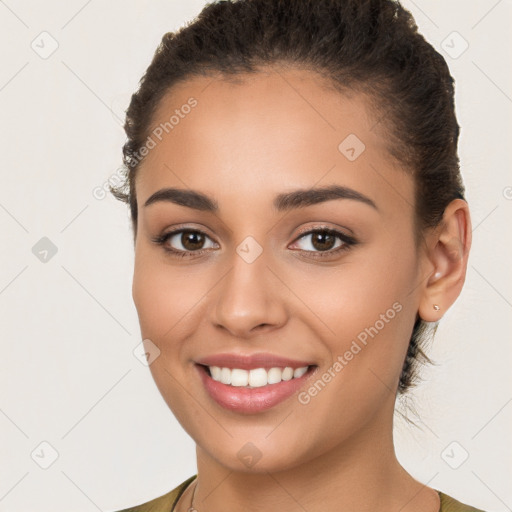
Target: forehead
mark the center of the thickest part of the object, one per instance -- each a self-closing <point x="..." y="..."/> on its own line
<point x="267" y="132"/>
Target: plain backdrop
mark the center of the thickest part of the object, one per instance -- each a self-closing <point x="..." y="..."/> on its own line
<point x="74" y="398"/>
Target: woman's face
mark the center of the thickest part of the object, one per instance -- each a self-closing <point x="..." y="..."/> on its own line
<point x="256" y="281"/>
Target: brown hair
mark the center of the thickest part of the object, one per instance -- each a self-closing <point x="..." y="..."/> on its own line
<point x="368" y="46"/>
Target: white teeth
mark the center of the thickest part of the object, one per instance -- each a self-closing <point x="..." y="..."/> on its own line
<point x="239" y="377"/>
<point x="299" y="372"/>
<point x="256" y="377"/>
<point x="287" y="373"/>
<point x="216" y="372"/>
<point x="225" y="376"/>
<point x="274" y="375"/>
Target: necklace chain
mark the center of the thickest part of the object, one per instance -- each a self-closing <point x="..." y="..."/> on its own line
<point x="192" y="509"/>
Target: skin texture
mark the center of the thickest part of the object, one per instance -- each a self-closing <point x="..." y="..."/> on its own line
<point x="242" y="144"/>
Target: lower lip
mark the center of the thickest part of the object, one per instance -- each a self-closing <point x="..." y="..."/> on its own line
<point x="251" y="400"/>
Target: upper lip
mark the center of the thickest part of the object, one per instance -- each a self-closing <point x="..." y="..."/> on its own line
<point x="249" y="362"/>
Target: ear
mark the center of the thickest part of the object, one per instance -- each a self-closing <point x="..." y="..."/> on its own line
<point x="445" y="261"/>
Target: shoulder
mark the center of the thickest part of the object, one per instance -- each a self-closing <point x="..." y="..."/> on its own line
<point x="449" y="504"/>
<point x="164" y="503"/>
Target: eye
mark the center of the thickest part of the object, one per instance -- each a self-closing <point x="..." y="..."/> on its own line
<point x="187" y="242"/>
<point x="323" y="241"/>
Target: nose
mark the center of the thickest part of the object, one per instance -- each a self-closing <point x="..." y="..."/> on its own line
<point x="249" y="299"/>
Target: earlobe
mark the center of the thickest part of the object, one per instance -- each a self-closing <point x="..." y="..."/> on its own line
<point x="448" y="251"/>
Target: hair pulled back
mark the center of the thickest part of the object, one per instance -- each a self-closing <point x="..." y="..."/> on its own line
<point x="367" y="46"/>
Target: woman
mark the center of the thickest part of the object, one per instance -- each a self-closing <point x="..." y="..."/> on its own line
<point x="300" y="225"/>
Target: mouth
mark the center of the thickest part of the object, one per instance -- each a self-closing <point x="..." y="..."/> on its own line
<point x="256" y="377"/>
<point x="253" y="390"/>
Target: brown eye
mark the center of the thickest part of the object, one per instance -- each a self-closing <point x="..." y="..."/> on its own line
<point x="184" y="242"/>
<point x="323" y="242"/>
<point x="192" y="240"/>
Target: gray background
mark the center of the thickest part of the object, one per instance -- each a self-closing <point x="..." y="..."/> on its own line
<point x="68" y="374"/>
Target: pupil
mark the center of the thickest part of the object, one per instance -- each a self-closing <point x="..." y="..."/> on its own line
<point x="192" y="240"/>
<point x="325" y="239"/>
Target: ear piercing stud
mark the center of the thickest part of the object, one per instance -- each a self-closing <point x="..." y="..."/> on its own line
<point x="436" y="307"/>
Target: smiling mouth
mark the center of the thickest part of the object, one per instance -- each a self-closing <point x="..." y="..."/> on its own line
<point x="256" y="377"/>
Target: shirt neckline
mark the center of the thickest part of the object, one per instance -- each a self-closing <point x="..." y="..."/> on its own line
<point x="188" y="482"/>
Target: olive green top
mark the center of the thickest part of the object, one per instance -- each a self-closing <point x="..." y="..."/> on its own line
<point x="167" y="502"/>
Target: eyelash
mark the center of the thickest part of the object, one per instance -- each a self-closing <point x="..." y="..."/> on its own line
<point x="348" y="242"/>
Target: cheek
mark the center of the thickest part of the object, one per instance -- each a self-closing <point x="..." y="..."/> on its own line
<point x="163" y="294"/>
<point x="164" y="297"/>
<point x="149" y="291"/>
<point x="367" y="286"/>
<point x="369" y="309"/>
<point x="370" y="316"/>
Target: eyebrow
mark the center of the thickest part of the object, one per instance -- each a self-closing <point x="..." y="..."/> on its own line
<point x="282" y="202"/>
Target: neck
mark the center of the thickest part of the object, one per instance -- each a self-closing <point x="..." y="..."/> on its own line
<point x="361" y="473"/>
